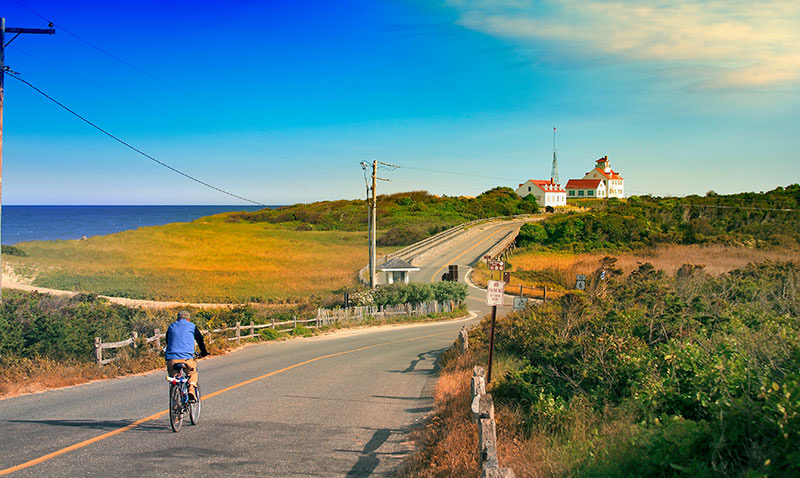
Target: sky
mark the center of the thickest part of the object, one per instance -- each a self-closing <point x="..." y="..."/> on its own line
<point x="279" y="102"/>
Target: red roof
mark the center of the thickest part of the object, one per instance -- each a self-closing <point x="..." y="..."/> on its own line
<point x="584" y="183"/>
<point x="612" y="175"/>
<point x="547" y="186"/>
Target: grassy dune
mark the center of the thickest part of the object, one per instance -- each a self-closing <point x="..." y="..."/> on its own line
<point x="208" y="260"/>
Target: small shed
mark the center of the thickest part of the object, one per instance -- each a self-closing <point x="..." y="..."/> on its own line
<point x="397" y="270"/>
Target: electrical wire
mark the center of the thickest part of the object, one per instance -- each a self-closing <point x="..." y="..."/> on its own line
<point x="142" y="105"/>
<point x="128" y="145"/>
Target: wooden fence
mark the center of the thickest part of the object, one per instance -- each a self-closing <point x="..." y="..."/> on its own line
<point x="323" y="318"/>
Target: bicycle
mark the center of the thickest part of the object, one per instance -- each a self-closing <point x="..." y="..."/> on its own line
<point x="179" y="404"/>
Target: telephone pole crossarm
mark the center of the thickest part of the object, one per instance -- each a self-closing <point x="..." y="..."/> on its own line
<point x="17" y="32"/>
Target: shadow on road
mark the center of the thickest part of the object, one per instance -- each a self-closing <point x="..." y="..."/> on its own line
<point x="90" y="424"/>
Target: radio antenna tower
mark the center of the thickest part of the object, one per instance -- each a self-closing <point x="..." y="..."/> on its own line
<point x="554" y="171"/>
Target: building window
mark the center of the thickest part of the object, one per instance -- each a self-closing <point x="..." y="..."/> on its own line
<point x="591" y="193"/>
<point x="580" y="193"/>
<point x="571" y="192"/>
<point x="529" y="189"/>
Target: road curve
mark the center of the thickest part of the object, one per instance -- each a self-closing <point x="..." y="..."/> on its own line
<point x="335" y="405"/>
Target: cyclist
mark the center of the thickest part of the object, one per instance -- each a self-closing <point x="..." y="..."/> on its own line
<point x="181" y="336"/>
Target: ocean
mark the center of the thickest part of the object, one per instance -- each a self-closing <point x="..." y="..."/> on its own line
<point x="44" y="223"/>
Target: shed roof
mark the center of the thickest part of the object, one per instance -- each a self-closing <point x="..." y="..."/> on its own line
<point x="397" y="264"/>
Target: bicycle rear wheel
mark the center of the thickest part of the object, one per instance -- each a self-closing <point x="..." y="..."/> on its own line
<point x="194" y="408"/>
<point x="175" y="408"/>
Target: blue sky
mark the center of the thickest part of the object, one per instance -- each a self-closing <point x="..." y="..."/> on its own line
<point x="280" y="101"/>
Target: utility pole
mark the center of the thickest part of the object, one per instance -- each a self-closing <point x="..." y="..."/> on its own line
<point x="3" y="44"/>
<point x="372" y="208"/>
<point x="373" y="219"/>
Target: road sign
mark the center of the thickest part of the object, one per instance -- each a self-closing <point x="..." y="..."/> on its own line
<point x="494" y="292"/>
<point x="520" y="303"/>
<point x="580" y="283"/>
<point x="497" y="265"/>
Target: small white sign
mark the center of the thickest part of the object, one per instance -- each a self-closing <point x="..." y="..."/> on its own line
<point x="520" y="303"/>
<point x="580" y="283"/>
<point x="494" y="292"/>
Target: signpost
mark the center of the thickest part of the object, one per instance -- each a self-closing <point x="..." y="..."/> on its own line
<point x="494" y="297"/>
<point x="520" y="303"/>
<point x="580" y="282"/>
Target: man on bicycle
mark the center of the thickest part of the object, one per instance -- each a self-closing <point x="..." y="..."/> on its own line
<point x="181" y="336"/>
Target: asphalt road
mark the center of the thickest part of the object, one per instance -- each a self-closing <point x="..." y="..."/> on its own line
<point x="334" y="405"/>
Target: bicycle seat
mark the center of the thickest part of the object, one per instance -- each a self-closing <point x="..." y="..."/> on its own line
<point x="179" y="366"/>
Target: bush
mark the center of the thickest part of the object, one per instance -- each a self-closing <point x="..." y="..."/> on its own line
<point x="13" y="251"/>
<point x="419" y="292"/>
<point x="707" y="366"/>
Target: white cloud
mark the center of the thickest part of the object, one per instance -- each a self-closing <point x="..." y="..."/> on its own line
<point x="737" y="44"/>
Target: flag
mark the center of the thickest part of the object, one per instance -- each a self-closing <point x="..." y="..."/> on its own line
<point x="554" y="129"/>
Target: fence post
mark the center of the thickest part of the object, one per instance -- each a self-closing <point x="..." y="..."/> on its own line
<point x="98" y="349"/>
<point x="544" y="293"/>
<point x="158" y="339"/>
<point x="272" y="323"/>
<point x="238" y="332"/>
<point x="134" y="336"/>
<point x="294" y="318"/>
<point x="252" y="328"/>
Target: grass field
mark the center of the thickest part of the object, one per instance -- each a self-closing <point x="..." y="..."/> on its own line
<point x="557" y="270"/>
<point x="208" y="260"/>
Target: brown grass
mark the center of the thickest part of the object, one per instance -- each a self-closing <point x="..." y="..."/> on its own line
<point x="448" y="444"/>
<point x="717" y="259"/>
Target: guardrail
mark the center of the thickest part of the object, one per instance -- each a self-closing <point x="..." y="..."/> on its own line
<point x="323" y="318"/>
<point x="414" y="250"/>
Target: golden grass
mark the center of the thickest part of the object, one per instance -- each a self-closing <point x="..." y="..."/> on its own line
<point x="207" y="260"/>
<point x="565" y="266"/>
<point x="448" y="445"/>
<point x="718" y="259"/>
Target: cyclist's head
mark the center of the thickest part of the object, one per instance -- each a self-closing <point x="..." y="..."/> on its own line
<point x="184" y="314"/>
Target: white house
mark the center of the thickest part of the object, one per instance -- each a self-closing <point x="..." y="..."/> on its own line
<point x="614" y="182"/>
<point x="546" y="193"/>
<point x="586" y="188"/>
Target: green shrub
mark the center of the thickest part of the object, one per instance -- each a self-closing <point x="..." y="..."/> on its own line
<point x="13" y="251"/>
<point x="706" y="365"/>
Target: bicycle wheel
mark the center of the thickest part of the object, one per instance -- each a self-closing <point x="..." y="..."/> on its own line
<point x="194" y="408"/>
<point x="175" y="408"/>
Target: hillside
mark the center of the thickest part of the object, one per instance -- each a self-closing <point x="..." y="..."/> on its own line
<point x="403" y="218"/>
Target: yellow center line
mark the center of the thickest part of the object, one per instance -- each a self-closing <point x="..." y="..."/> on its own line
<point x="160" y="414"/>
<point x="436" y="274"/>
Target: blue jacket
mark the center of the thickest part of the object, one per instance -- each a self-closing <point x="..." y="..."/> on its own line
<point x="181" y="336"/>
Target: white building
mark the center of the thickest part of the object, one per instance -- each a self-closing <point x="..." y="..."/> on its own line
<point x="586" y="188"/>
<point x="546" y="192"/>
<point x="614" y="182"/>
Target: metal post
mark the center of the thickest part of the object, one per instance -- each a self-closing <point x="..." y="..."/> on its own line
<point x="18" y="31"/>
<point x="491" y="346"/>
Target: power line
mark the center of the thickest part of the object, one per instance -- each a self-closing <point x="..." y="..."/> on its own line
<point x="128" y="145"/>
<point x="138" y="103"/>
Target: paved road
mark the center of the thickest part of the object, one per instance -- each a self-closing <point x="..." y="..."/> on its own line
<point x="336" y="405"/>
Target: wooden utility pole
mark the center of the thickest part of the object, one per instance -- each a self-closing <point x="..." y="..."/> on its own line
<point x="372" y="218"/>
<point x="18" y="32"/>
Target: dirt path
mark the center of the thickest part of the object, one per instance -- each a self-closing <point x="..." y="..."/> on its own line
<point x="13" y="281"/>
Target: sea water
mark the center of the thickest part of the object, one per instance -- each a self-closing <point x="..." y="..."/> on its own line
<point x="44" y="223"/>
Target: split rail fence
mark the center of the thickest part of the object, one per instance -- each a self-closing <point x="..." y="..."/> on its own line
<point x="324" y="317"/>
